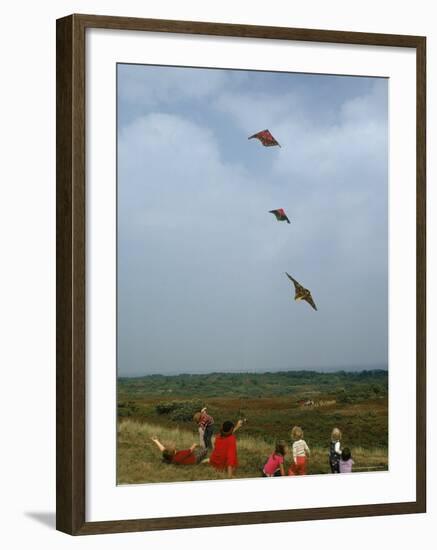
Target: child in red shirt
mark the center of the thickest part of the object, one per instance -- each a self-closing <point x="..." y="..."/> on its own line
<point x="224" y="454"/>
<point x="170" y="455"/>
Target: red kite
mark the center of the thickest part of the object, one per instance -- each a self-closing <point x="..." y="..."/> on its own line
<point x="302" y="293"/>
<point x="280" y="215"/>
<point x="265" y="138"/>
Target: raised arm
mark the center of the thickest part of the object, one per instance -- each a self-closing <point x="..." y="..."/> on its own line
<point x="158" y="443"/>
<point x="238" y="425"/>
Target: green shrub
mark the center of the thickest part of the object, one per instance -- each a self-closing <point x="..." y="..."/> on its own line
<point x="127" y="408"/>
<point x="181" y="411"/>
<point x="165" y="408"/>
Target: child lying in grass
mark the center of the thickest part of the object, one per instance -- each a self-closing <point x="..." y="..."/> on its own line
<point x="193" y="455"/>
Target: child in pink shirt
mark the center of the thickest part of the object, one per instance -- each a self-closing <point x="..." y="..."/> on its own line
<point x="275" y="463"/>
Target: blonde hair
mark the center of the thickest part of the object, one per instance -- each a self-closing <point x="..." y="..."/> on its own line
<point x="297" y="433"/>
<point x="196" y="416"/>
<point x="336" y="434"/>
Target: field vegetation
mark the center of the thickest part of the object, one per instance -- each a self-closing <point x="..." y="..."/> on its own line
<point x="271" y="403"/>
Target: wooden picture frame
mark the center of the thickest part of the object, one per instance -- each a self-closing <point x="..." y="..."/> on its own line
<point x="71" y="283"/>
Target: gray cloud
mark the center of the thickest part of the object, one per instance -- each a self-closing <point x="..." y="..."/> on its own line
<point x="148" y="86"/>
<point x="201" y="282"/>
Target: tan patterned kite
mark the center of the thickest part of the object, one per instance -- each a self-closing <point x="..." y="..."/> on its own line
<point x="301" y="292"/>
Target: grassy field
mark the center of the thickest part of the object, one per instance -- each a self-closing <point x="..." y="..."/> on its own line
<point x="139" y="460"/>
<point x="272" y="403"/>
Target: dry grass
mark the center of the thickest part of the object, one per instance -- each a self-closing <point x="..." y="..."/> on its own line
<point x="139" y="461"/>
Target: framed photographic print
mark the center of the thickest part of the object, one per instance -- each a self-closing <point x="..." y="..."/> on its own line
<point x="240" y="274"/>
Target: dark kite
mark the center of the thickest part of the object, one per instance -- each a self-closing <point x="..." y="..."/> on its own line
<point x="280" y="215"/>
<point x="265" y="138"/>
<point x="301" y="292"/>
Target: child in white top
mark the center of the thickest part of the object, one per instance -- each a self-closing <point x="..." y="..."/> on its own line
<point x="301" y="453"/>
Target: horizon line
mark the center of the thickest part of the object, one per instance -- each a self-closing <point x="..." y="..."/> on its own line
<point x="313" y="370"/>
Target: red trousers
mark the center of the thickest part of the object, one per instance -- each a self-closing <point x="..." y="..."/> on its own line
<point x="298" y="468"/>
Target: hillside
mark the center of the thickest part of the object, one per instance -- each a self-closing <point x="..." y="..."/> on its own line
<point x="357" y="403"/>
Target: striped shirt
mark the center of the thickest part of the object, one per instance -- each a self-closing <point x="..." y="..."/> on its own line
<point x="300" y="448"/>
<point x="205" y="420"/>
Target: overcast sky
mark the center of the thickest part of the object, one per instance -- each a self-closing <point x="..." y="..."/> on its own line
<point x="201" y="262"/>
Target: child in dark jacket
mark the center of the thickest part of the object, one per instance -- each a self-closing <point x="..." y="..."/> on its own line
<point x="335" y="451"/>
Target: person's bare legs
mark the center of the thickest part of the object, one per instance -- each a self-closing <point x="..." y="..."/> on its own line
<point x="202" y="437"/>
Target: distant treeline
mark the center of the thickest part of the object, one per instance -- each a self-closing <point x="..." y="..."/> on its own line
<point x="345" y="386"/>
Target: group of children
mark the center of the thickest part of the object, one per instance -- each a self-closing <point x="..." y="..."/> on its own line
<point x="224" y="452"/>
<point x="223" y="455"/>
<point x="340" y="460"/>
